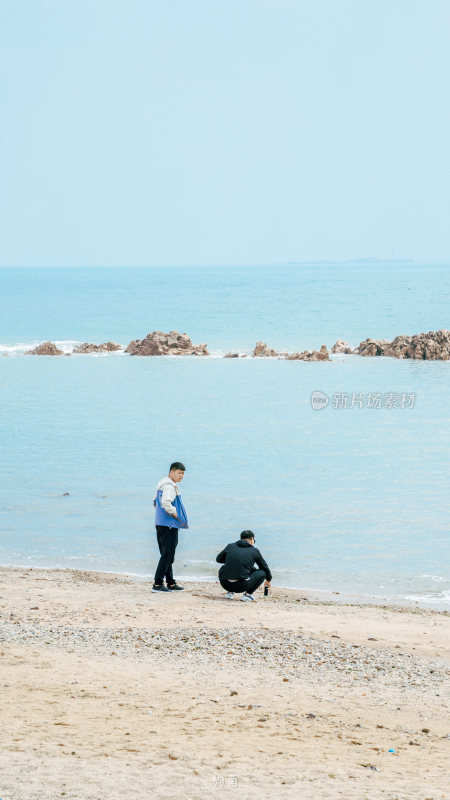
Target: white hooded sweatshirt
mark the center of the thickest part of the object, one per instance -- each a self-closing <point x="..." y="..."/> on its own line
<point x="169" y="493"/>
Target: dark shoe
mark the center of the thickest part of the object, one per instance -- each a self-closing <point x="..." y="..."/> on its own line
<point x="159" y="588"/>
<point x="175" y="588"/>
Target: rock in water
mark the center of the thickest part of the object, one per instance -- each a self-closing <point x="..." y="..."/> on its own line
<point x="431" y="346"/>
<point x="263" y="351"/>
<point x="158" y="343"/>
<point x="373" y="347"/>
<point x="106" y="347"/>
<point x="342" y="347"/>
<point x="45" y="349"/>
<point x="310" y="355"/>
<point x="323" y="354"/>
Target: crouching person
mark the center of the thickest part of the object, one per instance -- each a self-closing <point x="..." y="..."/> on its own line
<point x="238" y="573"/>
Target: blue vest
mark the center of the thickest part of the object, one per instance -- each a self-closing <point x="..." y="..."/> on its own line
<point x="163" y="518"/>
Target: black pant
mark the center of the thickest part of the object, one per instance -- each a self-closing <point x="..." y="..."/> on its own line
<point x="167" y="543"/>
<point x="257" y="577"/>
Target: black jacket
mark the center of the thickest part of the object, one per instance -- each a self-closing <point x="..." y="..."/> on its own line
<point x="238" y="561"/>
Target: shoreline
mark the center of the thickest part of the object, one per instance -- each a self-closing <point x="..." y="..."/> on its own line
<point x="110" y="690"/>
<point x="317" y="596"/>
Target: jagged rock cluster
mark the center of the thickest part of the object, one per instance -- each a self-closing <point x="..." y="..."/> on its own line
<point x="45" y="349"/>
<point x="310" y="355"/>
<point x="342" y="347"/>
<point x="434" y="345"/>
<point x="431" y="346"/>
<point x="50" y="349"/>
<point x="106" y="347"/>
<point x="166" y="344"/>
<point x="154" y="344"/>
<point x="263" y="351"/>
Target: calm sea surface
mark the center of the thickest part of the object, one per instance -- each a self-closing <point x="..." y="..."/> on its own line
<point x="353" y="500"/>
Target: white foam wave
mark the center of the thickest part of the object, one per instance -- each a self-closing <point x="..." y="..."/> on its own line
<point x="101" y="354"/>
<point x="436" y="599"/>
<point x="437" y="578"/>
<point x="66" y="345"/>
<point x="19" y="348"/>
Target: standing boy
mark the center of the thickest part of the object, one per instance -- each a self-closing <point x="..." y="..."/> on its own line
<point x="169" y="517"/>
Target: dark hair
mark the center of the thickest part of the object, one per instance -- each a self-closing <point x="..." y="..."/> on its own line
<point x="247" y="535"/>
<point x="177" y="465"/>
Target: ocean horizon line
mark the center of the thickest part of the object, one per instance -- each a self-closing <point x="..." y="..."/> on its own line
<point x="348" y="262"/>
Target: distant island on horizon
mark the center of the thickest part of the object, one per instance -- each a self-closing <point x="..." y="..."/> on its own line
<point x="356" y="261"/>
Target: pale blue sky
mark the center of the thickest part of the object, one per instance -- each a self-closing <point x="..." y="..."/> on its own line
<point x="223" y="131"/>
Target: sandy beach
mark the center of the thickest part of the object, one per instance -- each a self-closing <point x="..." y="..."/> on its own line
<point x="110" y="691"/>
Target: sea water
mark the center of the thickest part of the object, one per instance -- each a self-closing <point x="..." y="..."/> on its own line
<point x="349" y="498"/>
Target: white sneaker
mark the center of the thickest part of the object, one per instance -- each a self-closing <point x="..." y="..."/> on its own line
<point x="229" y="595"/>
<point x="248" y="598"/>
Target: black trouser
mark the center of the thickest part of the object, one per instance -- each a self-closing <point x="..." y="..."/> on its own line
<point x="167" y="543"/>
<point x="257" y="577"/>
